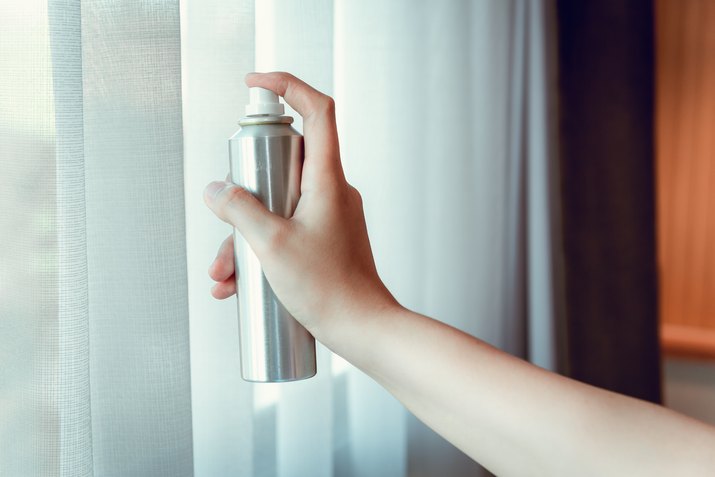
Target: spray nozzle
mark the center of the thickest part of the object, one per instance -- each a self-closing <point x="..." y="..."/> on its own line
<point x="263" y="101"/>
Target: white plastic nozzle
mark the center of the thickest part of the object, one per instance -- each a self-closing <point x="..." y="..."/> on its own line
<point x="263" y="101"/>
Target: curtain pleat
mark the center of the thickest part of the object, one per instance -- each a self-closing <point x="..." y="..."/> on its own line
<point x="95" y="375"/>
<point x="544" y="333"/>
<point x="379" y="112"/>
<point x="217" y="50"/>
<point x="73" y="372"/>
<point x="43" y="412"/>
<point x="136" y="250"/>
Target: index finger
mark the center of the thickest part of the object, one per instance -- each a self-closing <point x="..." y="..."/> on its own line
<point x="318" y="111"/>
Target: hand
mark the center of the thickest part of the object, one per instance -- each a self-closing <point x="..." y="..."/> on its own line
<point x="320" y="265"/>
<point x="318" y="262"/>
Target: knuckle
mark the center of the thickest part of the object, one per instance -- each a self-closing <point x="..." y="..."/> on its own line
<point x="335" y="193"/>
<point x="235" y="197"/>
<point x="231" y="203"/>
<point x="324" y="105"/>
<point x="355" y="194"/>
<point x="284" y="74"/>
<point x="286" y="80"/>
<point x="328" y="105"/>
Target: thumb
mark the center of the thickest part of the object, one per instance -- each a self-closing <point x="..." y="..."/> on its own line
<point x="238" y="207"/>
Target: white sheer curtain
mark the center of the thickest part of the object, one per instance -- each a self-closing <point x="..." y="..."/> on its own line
<point x="94" y="347"/>
<point x="114" y="358"/>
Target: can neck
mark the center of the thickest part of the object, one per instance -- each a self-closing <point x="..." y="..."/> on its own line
<point x="264" y="119"/>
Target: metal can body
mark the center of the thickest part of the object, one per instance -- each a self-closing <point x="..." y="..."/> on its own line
<point x="267" y="159"/>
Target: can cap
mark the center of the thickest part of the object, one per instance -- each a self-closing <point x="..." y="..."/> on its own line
<point x="263" y="101"/>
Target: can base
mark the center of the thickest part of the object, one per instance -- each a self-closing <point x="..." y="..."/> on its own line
<point x="285" y="380"/>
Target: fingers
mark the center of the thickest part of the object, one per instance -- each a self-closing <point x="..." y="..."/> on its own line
<point x="236" y="206"/>
<point x="305" y="99"/>
<point x="222" y="270"/>
<point x="223" y="265"/>
<point x="322" y="153"/>
<point x="225" y="288"/>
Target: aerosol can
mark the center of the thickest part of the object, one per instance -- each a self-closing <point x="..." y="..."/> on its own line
<point x="266" y="157"/>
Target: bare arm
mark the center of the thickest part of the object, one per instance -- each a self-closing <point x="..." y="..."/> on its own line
<point x="515" y="418"/>
<point x="512" y="417"/>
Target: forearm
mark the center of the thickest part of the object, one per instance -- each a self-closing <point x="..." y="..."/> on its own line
<point x="513" y="417"/>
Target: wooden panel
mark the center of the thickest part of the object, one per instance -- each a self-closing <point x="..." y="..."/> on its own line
<point x="688" y="341"/>
<point x="685" y="145"/>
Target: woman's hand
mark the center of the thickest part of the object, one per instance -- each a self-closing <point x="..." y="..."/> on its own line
<point x="318" y="262"/>
<point x="506" y="413"/>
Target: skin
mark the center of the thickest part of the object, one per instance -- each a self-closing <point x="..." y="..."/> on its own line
<point x="512" y="417"/>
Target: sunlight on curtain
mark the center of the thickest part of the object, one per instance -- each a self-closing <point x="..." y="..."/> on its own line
<point x="298" y="37"/>
<point x="113" y="118"/>
<point x="93" y="314"/>
<point x="217" y="50"/>
<point x="422" y="112"/>
<point x="30" y="422"/>
<point x="136" y="247"/>
<point x="431" y="110"/>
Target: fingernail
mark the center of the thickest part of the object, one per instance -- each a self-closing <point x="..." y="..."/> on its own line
<point x="214" y="188"/>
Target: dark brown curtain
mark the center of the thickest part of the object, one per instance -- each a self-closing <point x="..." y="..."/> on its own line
<point x="606" y="91"/>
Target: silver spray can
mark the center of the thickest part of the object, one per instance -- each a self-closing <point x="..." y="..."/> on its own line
<point x="266" y="157"/>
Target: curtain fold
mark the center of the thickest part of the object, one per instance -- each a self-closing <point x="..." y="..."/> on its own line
<point x="103" y="313"/>
<point x="136" y="249"/>
<point x="44" y="405"/>
<point x="217" y="50"/>
<point x="116" y="360"/>
<point x="73" y="354"/>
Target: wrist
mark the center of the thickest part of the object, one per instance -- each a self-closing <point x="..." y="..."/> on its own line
<point x="354" y="318"/>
